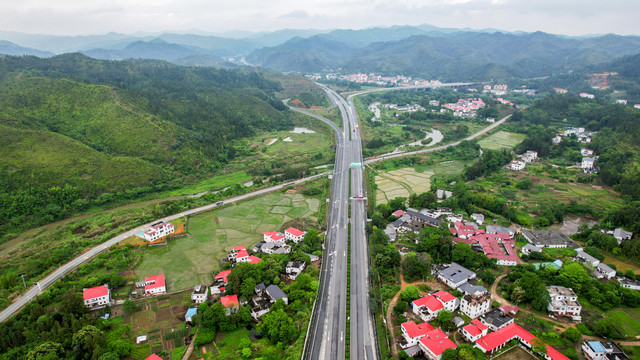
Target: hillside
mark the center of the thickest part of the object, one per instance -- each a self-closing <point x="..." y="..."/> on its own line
<point x="447" y="56"/>
<point x="104" y="130"/>
<point x="9" y="48"/>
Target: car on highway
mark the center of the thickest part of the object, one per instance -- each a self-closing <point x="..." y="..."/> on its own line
<point x="219" y="203"/>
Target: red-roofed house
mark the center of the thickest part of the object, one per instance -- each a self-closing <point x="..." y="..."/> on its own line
<point x="220" y="282"/>
<point x="158" y="230"/>
<point x="253" y="259"/>
<point x="153" y="357"/>
<point x="428" y="307"/>
<point x="398" y="213"/>
<point x="434" y="343"/>
<point x="271" y="236"/>
<point x="496" y="340"/>
<point x="553" y="354"/>
<point x="96" y="296"/>
<point x="155" y="285"/>
<point x="230" y="302"/>
<point x="474" y="330"/>
<point x="234" y="252"/>
<point x="413" y="332"/>
<point x="242" y="256"/>
<point x="294" y="235"/>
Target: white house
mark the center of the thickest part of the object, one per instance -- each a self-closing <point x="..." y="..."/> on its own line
<point x="529" y="248"/>
<point x="604" y="271"/>
<point x="588" y="162"/>
<point x="620" y="234"/>
<point x="478" y="218"/>
<point x="200" y="294"/>
<point x="474" y="305"/>
<point x="276" y="247"/>
<point x="601" y="350"/>
<point x="556" y="140"/>
<point x="220" y="282"/>
<point x="586" y="152"/>
<point x="428" y="307"/>
<point x="158" y="230"/>
<point x="270" y="236"/>
<point x="412" y="332"/>
<point x="294" y="268"/>
<point x="587" y="95"/>
<point x="434" y="343"/>
<point x="584" y="257"/>
<point x="155" y="285"/>
<point x="96" y="296"/>
<point x="455" y="275"/>
<point x="474" y="330"/>
<point x="564" y="301"/>
<point x="529" y="156"/>
<point x="294" y="235"/>
<point x="629" y="284"/>
<point x="517" y="165"/>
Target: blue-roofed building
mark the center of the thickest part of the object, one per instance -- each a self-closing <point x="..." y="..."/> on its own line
<point x="188" y="317"/>
<point x="555" y="265"/>
<point x="603" y="350"/>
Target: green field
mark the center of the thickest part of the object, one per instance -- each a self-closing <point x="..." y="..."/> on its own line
<point x="501" y="140"/>
<point x="212" y="183"/>
<point x="624" y="323"/>
<point x="189" y="260"/>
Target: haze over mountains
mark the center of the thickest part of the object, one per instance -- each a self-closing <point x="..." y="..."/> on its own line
<point x="424" y="51"/>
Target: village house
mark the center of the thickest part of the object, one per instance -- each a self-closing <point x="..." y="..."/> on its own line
<point x="455" y="275"/>
<point x="629" y="284"/>
<point x="428" y="307"/>
<point x="478" y="218"/>
<point x="233" y="254"/>
<point x="158" y="230"/>
<point x="621" y="234"/>
<point x="294" y="268"/>
<point x="265" y="298"/>
<point x="219" y="282"/>
<point x="469" y="289"/>
<point x="243" y="256"/>
<point x="270" y="236"/>
<point x="412" y="333"/>
<point x="496" y="340"/>
<point x="584" y="257"/>
<point x="550" y="239"/>
<point x="494" y="229"/>
<point x="529" y="248"/>
<point x="564" y="302"/>
<point x="499" y="318"/>
<point x="422" y="219"/>
<point x="230" y="303"/>
<point x="529" y="156"/>
<point x="294" y="234"/>
<point x="556" y="140"/>
<point x="474" y="305"/>
<point x="434" y="343"/>
<point x="200" y="294"/>
<point x="603" y="350"/>
<point x="604" y="271"/>
<point x="587" y="95"/>
<point x="155" y="285"/>
<point x="517" y="165"/>
<point x="191" y="312"/>
<point x="275" y="247"/>
<point x="588" y="162"/>
<point x="474" y="330"/>
<point x="586" y="152"/>
<point x="96" y="297"/>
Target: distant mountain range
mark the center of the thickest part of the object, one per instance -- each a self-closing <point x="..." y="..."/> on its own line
<point x="422" y="51"/>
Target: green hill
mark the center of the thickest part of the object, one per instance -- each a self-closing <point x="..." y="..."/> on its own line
<point x="79" y="132"/>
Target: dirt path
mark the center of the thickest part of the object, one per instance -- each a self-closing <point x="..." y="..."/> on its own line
<point x="394" y="300"/>
<point x="496" y="297"/>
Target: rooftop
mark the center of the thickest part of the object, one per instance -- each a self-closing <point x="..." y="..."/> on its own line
<point x="496" y="317"/>
<point x="560" y="291"/>
<point x="456" y="273"/>
<point x="155" y="281"/>
<point x="94" y="292"/>
<point x="475" y="328"/>
<point x="275" y="292"/>
<point x="294" y="231"/>
<point x="437" y="342"/>
<point x="229" y="300"/>
<point x="493" y="340"/>
<point x="414" y="330"/>
<point x="546" y="238"/>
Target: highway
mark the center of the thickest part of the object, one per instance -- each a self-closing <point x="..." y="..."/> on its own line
<point x="92" y="252"/>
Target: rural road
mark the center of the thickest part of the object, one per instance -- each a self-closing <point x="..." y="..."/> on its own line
<point x="92" y="252"/>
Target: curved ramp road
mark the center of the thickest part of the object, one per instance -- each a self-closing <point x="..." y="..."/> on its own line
<point x="87" y="255"/>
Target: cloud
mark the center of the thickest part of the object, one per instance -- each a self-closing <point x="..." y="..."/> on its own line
<point x="295" y="14"/>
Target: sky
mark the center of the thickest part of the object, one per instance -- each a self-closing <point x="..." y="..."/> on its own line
<point x="84" y="17"/>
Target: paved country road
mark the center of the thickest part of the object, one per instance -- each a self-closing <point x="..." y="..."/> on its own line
<point x="92" y="252"/>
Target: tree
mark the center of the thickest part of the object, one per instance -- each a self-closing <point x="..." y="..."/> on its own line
<point x="46" y="351"/>
<point x="88" y="342"/>
<point x="129" y="307"/>
<point x="572" y="334"/>
<point x="311" y="239"/>
<point x="410" y="293"/>
<point x="574" y="275"/>
<point x="278" y="327"/>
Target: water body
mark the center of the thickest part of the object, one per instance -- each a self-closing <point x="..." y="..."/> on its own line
<point x="435" y="135"/>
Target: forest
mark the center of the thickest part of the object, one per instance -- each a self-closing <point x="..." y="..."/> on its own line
<point x="80" y="132"/>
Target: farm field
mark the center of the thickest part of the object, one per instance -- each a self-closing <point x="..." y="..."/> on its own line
<point x="621" y="266"/>
<point x="404" y="181"/>
<point x="501" y="140"/>
<point x="189" y="260"/>
<point x="624" y="323"/>
<point x="401" y="183"/>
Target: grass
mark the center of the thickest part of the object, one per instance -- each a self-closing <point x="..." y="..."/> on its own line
<point x="213" y="183"/>
<point x="621" y="265"/>
<point x="515" y="353"/>
<point x="624" y="323"/>
<point x="501" y="140"/>
<point x="189" y="260"/>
